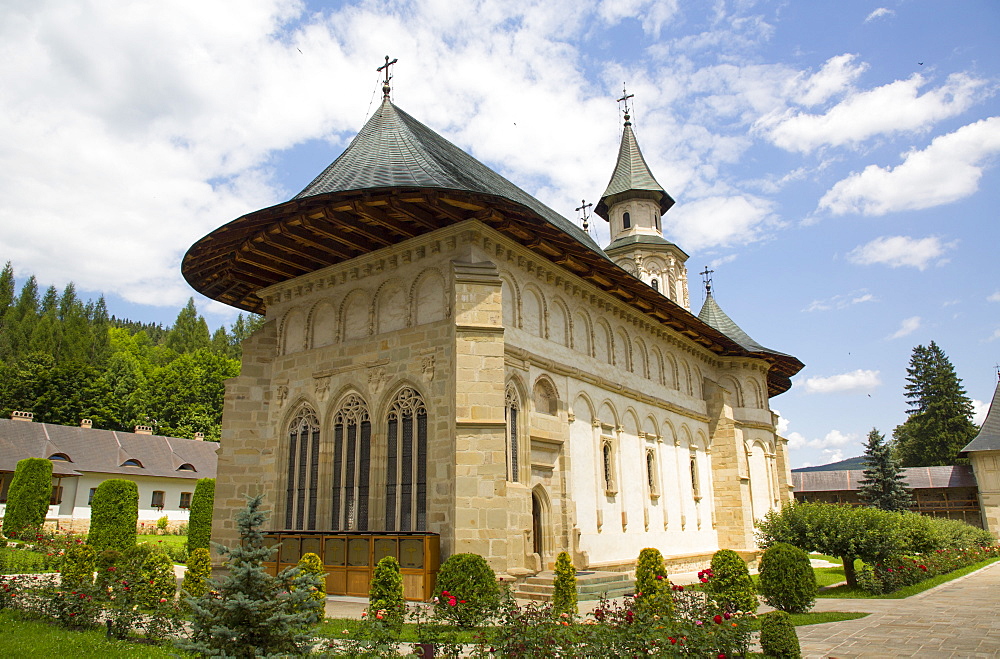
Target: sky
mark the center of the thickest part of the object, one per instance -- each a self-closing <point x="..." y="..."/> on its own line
<point x="835" y="164"/>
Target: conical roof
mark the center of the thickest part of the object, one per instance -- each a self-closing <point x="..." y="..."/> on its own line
<point x="632" y="178"/>
<point x="988" y="438"/>
<point x="712" y="314"/>
<point x="395" y="150"/>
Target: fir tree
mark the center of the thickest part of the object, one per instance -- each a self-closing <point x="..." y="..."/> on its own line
<point x="940" y="414"/>
<point x="190" y="331"/>
<point x="882" y="486"/>
<point x="250" y="613"/>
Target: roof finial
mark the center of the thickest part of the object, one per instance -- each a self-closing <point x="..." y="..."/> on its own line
<point x="583" y="214"/>
<point x="385" y="83"/>
<point x="706" y="275"/>
<point x="625" y="97"/>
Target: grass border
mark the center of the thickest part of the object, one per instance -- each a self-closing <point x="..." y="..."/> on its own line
<point x="850" y="592"/>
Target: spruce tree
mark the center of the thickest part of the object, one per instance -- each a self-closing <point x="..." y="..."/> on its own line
<point x="250" y="613"/>
<point x="190" y="331"/>
<point x="940" y="415"/>
<point x="882" y="486"/>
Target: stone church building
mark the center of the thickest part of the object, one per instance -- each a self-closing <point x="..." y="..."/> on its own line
<point x="444" y="356"/>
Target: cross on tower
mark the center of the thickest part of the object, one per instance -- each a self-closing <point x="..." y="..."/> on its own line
<point x="707" y="278"/>
<point x="385" y="67"/>
<point x="583" y="214"/>
<point x="625" y="97"/>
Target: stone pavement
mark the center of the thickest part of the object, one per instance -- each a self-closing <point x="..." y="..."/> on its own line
<point x="960" y="618"/>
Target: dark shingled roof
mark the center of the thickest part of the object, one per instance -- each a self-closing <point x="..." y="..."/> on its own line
<point x="988" y="438"/>
<point x="712" y="314"/>
<point x="104" y="451"/>
<point x="914" y="477"/>
<point x="395" y="150"/>
<point x="639" y="239"/>
<point x="632" y="178"/>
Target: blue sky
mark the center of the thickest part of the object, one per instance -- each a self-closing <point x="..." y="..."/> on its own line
<point x="834" y="163"/>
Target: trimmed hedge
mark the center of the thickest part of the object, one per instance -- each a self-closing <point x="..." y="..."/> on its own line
<point x="777" y="636"/>
<point x="385" y="593"/>
<point x="564" y="595"/>
<point x="114" y="514"/>
<point x="28" y="496"/>
<point x="652" y="588"/>
<point x="467" y="592"/>
<point x="730" y="585"/>
<point x="200" y="519"/>
<point x="199" y="570"/>
<point x="900" y="571"/>
<point x="787" y="580"/>
<point x="77" y="570"/>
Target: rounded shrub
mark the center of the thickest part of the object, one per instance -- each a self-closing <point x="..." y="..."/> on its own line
<point x="159" y="580"/>
<point x="564" y="593"/>
<point x="777" y="636"/>
<point x="467" y="590"/>
<point x="78" y="567"/>
<point x="200" y="519"/>
<point x="385" y="593"/>
<point x="310" y="563"/>
<point x="652" y="588"/>
<point x="787" y="580"/>
<point x="114" y="514"/>
<point x="199" y="570"/>
<point x="730" y="586"/>
<point x="28" y="496"/>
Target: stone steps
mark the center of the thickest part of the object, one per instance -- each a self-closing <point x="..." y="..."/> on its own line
<point x="589" y="586"/>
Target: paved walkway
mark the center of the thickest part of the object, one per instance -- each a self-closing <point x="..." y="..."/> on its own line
<point x="960" y="618"/>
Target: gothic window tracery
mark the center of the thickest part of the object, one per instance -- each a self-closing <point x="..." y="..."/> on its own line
<point x="352" y="432"/>
<point x="302" y="482"/>
<point x="512" y="409"/>
<point x="406" y="464"/>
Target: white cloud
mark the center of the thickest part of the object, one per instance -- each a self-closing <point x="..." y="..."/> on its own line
<point x="994" y="336"/>
<point x="879" y="13"/>
<point x="721" y="221"/>
<point x="893" y="108"/>
<point x="859" y="381"/>
<point x="841" y="301"/>
<point x="908" y="326"/>
<point x="898" y="251"/>
<point x="994" y="298"/>
<point x="833" y="440"/>
<point x="946" y="171"/>
<point x="836" y="76"/>
<point x="653" y="13"/>
<point x="979" y="411"/>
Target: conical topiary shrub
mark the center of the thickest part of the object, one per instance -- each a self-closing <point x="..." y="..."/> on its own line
<point x="730" y="585"/>
<point x="564" y="594"/>
<point x="787" y="580"/>
<point x="777" y="636"/>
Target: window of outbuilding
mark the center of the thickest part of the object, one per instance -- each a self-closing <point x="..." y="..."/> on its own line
<point x="185" y="501"/>
<point x="157" y="500"/>
<point x="90" y="496"/>
<point x="132" y="462"/>
<point x="60" y="456"/>
<point x="187" y="466"/>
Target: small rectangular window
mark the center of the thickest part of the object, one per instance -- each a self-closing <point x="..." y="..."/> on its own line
<point x="157" y="501"/>
<point x="56" y="498"/>
<point x="185" y="500"/>
<point x="90" y="496"/>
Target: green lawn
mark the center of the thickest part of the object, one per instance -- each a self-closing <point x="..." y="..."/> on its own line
<point x="850" y="592"/>
<point x="172" y="540"/>
<point x="819" y="617"/>
<point x="24" y="638"/>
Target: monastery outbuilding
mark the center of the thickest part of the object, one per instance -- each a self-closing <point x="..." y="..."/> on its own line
<point x="447" y="365"/>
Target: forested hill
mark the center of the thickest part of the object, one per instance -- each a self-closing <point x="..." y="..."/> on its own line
<point x="65" y="360"/>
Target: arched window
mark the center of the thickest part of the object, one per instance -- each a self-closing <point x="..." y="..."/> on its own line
<point x="302" y="485"/>
<point x="132" y="462"/>
<point x="626" y="220"/>
<point x="352" y="435"/>
<point x="60" y="456"/>
<point x="187" y="466"/>
<point x="655" y="284"/>
<point x="651" y="479"/>
<point x="511" y="409"/>
<point x="608" y="463"/>
<point x="406" y="463"/>
<point x="695" y="487"/>
<point x="546" y="400"/>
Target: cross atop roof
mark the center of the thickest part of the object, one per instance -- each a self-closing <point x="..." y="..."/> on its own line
<point x="706" y="276"/>
<point x="583" y="214"/>
<point x="625" y="97"/>
<point x="385" y="83"/>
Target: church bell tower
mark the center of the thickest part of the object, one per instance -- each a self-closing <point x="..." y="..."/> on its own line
<point x="633" y="204"/>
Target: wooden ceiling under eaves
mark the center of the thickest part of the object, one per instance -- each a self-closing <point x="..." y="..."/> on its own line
<point x="304" y="235"/>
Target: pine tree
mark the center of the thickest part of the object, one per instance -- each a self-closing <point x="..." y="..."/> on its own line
<point x="882" y="486"/>
<point x="190" y="331"/>
<point x="940" y="414"/>
<point x="250" y="613"/>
